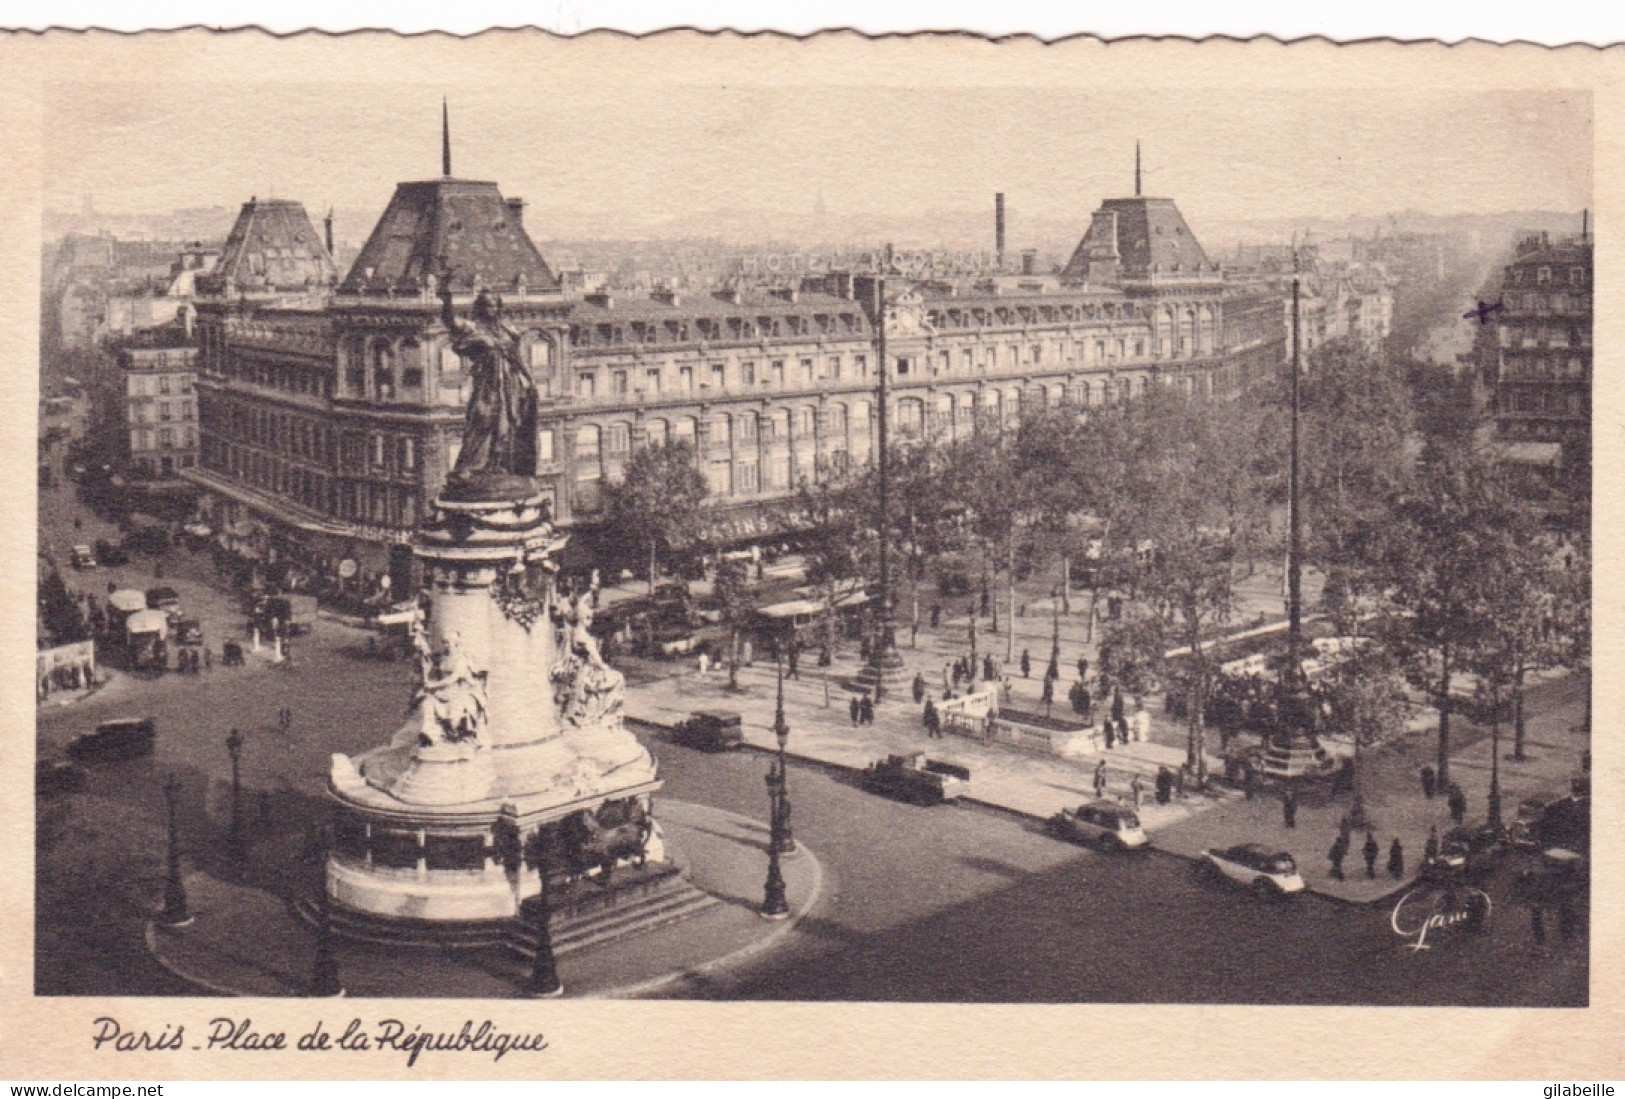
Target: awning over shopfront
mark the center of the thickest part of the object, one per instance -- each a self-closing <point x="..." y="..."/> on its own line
<point x="148" y="622"/>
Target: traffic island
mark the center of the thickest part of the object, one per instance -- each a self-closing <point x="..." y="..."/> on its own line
<point x="245" y="941"/>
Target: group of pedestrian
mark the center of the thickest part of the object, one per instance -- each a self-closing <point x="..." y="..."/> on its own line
<point x="1371" y="850"/>
<point x="862" y="708"/>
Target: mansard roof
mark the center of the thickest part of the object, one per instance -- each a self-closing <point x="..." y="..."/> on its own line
<point x="272" y="248"/>
<point x="462" y="226"/>
<point x="1144" y="236"/>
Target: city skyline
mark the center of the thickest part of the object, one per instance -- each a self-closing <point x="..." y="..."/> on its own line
<point x="630" y="164"/>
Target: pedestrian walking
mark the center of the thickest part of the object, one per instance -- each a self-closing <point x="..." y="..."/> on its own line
<point x="867" y="710"/>
<point x="933" y="720"/>
<point x="1396" y="860"/>
<point x="1165" y="785"/>
<point x="1026" y="664"/>
<point x="1110" y="734"/>
<point x="1048" y="695"/>
<point x="794" y="671"/>
<point x="705" y="662"/>
<point x="1429" y="782"/>
<point x="1431" y="850"/>
<point x="1249" y="780"/>
<point x="1371" y="851"/>
<point x="1136" y="790"/>
<point x="988" y="672"/>
<point x="1289" y="809"/>
<point x="1458" y="804"/>
<point x="1339" y="851"/>
<point x="857" y="711"/>
<point x="919" y="687"/>
<point x="1100" y="779"/>
<point x="1083" y="667"/>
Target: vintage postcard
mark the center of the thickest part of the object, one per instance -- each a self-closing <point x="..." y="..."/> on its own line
<point x="705" y="556"/>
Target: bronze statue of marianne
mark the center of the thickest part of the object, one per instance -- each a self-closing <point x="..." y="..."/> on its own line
<point x="499" y="434"/>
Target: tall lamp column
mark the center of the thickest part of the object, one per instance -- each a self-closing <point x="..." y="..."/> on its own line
<point x="176" y="911"/>
<point x="234" y="746"/>
<point x="775" y="905"/>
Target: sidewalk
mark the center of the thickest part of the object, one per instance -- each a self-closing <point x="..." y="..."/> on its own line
<point x="1040" y="785"/>
<point x="246" y="942"/>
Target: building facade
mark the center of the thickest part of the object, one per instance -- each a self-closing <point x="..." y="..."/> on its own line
<point x="331" y="416"/>
<point x="1543" y="369"/>
<point x="160" y="402"/>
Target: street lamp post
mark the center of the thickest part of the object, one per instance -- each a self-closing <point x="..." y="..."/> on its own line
<point x="176" y="911"/>
<point x="1495" y="756"/>
<point x="324" y="972"/>
<point x="234" y="746"/>
<point x="786" y="841"/>
<point x="775" y="905"/>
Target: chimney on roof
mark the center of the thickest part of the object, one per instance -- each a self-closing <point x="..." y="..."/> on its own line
<point x="327" y="226"/>
<point x="998" y="226"/>
<point x="1029" y="261"/>
<point x="516" y="207"/>
<point x="1136" y="169"/>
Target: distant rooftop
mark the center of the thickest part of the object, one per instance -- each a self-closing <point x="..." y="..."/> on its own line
<point x="272" y="248"/>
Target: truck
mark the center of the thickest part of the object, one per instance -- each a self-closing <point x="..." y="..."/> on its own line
<point x="913" y="777"/>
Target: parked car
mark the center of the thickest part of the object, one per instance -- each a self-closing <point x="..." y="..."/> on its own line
<point x="710" y="730"/>
<point x="1521" y="833"/>
<point x="111" y="553"/>
<point x="1267" y="872"/>
<point x="163" y="599"/>
<point x="913" y="777"/>
<point x="1469" y="852"/>
<point x="58" y="776"/>
<point x="83" y="558"/>
<point x="124" y="738"/>
<point x="188" y="631"/>
<point x="1102" y="823"/>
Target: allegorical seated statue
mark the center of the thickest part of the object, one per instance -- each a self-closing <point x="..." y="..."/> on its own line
<point x="498" y="455"/>
<point x="450" y="700"/>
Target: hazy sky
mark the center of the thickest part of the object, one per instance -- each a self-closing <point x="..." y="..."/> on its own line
<point x="642" y="156"/>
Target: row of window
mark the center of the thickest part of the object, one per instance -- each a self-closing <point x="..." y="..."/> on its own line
<point x="685" y="329"/>
<point x="163" y="438"/>
<point x="308" y="439"/>
<point x="1546" y="275"/>
<point x="162" y="411"/>
<point x="159" y="385"/>
<point x="343" y="498"/>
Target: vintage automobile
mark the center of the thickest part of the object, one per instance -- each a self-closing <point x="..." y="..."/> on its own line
<point x="124" y="738"/>
<point x="710" y="731"/>
<point x="1522" y="832"/>
<point x="83" y="558"/>
<point x="111" y="553"/>
<point x="913" y="777"/>
<point x="1469" y="853"/>
<point x="1102" y="823"/>
<point x="163" y="599"/>
<point x="58" y="776"/>
<point x="1265" y="871"/>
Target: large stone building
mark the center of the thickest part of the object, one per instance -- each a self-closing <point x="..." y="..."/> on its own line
<point x="331" y="414"/>
<point x="1543" y="372"/>
<point x="160" y="403"/>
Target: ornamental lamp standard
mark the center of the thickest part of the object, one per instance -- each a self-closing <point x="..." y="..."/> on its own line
<point x="775" y="905"/>
<point x="786" y="842"/>
<point x="324" y="971"/>
<point x="234" y="746"/>
<point x="176" y="911"/>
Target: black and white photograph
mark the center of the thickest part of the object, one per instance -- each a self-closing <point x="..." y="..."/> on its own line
<point x="770" y="529"/>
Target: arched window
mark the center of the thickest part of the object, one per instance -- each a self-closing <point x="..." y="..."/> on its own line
<point x="655" y="432"/>
<point x="684" y="430"/>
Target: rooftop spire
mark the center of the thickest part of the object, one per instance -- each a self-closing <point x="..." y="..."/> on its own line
<point x="1136" y="169"/>
<point x="445" y="139"/>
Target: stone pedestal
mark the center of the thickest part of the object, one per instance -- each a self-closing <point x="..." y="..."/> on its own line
<point x="515" y="719"/>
